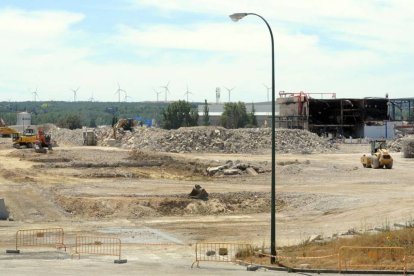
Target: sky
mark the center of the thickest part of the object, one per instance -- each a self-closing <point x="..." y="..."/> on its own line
<point x="353" y="48"/>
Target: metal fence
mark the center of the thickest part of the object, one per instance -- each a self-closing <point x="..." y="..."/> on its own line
<point x="378" y="258"/>
<point x="40" y="238"/>
<point x="95" y="245"/>
<point x="221" y="252"/>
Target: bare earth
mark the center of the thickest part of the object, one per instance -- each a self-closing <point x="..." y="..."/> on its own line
<point x="142" y="199"/>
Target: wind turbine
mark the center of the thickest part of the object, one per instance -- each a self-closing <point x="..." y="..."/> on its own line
<point x="187" y="93"/>
<point x="166" y="90"/>
<point x="229" y="90"/>
<point x="75" y="93"/>
<point x="118" y="91"/>
<point x="268" y="89"/>
<point x="126" y="96"/>
<point x="158" y="93"/>
<point x="91" y="99"/>
<point x="35" y="95"/>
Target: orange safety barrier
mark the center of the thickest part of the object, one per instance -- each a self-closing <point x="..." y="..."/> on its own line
<point x="98" y="246"/>
<point x="392" y="258"/>
<point x="220" y="252"/>
<point x="39" y="238"/>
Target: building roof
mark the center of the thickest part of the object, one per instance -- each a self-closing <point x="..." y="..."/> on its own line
<point x="261" y="108"/>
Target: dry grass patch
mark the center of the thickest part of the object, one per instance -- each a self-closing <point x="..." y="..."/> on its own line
<point x="324" y="254"/>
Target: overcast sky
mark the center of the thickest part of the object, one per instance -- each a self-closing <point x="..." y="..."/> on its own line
<point x="351" y="48"/>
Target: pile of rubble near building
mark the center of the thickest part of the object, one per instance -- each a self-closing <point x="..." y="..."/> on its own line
<point x="203" y="139"/>
<point x="403" y="144"/>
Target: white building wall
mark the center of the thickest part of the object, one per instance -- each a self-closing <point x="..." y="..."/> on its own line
<point x="384" y="131"/>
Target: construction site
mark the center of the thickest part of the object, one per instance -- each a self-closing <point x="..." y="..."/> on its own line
<point x="166" y="201"/>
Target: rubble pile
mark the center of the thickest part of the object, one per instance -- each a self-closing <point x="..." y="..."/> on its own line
<point x="231" y="168"/>
<point x="64" y="136"/>
<point x="397" y="143"/>
<point x="301" y="141"/>
<point x="203" y="139"/>
<point x="408" y="148"/>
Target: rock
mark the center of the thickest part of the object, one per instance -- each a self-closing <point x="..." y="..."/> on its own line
<point x="252" y="267"/>
<point x="214" y="170"/>
<point x="251" y="171"/>
<point x="232" y="172"/>
<point x="314" y="238"/>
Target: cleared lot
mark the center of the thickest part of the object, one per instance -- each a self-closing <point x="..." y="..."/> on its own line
<point x="142" y="199"/>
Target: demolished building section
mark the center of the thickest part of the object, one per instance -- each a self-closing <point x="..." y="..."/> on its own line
<point x="337" y="117"/>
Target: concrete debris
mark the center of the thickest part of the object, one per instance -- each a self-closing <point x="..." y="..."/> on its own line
<point x="231" y="168"/>
<point x="232" y="172"/>
<point x="202" y="139"/>
<point x="313" y="238"/>
<point x="251" y="171"/>
<point x="397" y="144"/>
<point x="408" y="147"/>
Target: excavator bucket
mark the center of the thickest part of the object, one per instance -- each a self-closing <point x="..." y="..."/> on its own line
<point x="39" y="149"/>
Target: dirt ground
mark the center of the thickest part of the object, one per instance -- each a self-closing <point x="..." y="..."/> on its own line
<point x="142" y="199"/>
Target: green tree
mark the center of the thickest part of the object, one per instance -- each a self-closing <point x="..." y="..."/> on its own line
<point x="206" y="117"/>
<point x="92" y="122"/>
<point x="70" y="121"/>
<point x="179" y="114"/>
<point x="234" y="115"/>
<point x="251" y="118"/>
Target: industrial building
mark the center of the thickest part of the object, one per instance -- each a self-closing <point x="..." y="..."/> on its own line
<point x="327" y="115"/>
<point x="350" y="117"/>
<point x="262" y="111"/>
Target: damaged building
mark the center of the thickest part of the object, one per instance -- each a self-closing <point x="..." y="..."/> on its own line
<point x="358" y="118"/>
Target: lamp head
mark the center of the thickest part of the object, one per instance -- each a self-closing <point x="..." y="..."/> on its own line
<point x="237" y="16"/>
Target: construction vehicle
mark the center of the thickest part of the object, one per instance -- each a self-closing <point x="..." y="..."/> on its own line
<point x="198" y="192"/>
<point x="42" y="142"/>
<point x="6" y="131"/>
<point x="27" y="138"/>
<point x="379" y="158"/>
<point x="89" y="137"/>
<point x="124" y="124"/>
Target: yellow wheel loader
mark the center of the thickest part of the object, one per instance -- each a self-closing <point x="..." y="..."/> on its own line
<point x="379" y="158"/>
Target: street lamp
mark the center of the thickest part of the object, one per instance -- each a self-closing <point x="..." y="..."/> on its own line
<point x="236" y="17"/>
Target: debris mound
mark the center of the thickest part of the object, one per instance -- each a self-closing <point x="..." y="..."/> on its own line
<point x="397" y="144"/>
<point x="301" y="141"/>
<point x="64" y="136"/>
<point x="202" y="139"/>
<point x="408" y="148"/>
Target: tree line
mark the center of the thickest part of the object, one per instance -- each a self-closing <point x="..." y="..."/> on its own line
<point x="174" y="115"/>
<point x="182" y="114"/>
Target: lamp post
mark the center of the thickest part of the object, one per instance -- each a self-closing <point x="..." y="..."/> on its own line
<point x="236" y="17"/>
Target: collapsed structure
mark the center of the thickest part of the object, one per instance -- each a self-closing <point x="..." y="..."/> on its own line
<point x="367" y="117"/>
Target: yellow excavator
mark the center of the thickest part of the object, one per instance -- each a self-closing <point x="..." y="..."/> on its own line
<point x="6" y="131"/>
<point x="379" y="158"/>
